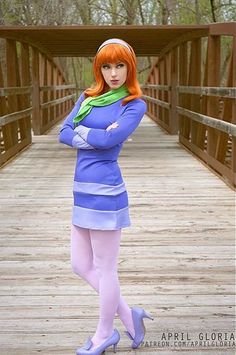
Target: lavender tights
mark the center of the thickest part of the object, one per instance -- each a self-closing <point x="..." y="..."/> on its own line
<point x="94" y="255"/>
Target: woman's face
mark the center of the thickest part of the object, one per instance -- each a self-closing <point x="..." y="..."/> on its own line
<point x="114" y="74"/>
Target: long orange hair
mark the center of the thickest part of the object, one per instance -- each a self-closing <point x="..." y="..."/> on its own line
<point x="113" y="53"/>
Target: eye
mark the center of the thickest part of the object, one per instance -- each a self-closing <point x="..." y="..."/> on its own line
<point x="120" y="65"/>
<point x="105" y="66"/>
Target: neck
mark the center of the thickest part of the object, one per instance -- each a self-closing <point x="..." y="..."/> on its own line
<point x="108" y="89"/>
<point x="121" y="87"/>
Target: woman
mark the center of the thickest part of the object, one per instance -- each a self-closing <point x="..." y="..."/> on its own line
<point x="103" y="118"/>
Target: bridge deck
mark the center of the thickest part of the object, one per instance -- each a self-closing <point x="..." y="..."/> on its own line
<point x="176" y="259"/>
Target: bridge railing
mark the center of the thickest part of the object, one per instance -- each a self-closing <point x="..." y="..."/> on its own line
<point x="186" y="97"/>
<point x="33" y="96"/>
<point x="15" y="127"/>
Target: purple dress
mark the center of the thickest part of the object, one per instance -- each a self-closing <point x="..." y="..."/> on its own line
<point x="100" y="196"/>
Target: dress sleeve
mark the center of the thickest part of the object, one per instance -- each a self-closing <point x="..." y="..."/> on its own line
<point x="79" y="143"/>
<point x="128" y="122"/>
<point x="67" y="134"/>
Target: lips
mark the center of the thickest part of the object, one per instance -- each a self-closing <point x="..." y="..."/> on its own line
<point x="114" y="81"/>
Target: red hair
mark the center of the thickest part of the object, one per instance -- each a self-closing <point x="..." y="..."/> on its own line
<point x="113" y="53"/>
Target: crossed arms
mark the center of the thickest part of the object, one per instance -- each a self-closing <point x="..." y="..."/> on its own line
<point x="83" y="137"/>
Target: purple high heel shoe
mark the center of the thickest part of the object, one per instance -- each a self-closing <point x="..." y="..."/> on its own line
<point x="137" y="315"/>
<point x="113" y="340"/>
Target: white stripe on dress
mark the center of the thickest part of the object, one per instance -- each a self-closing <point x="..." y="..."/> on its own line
<point x="99" y="189"/>
<point x="102" y="220"/>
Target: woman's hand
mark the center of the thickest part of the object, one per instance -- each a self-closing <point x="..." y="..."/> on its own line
<point x="113" y="125"/>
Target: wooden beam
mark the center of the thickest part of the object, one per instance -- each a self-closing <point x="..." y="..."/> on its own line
<point x="57" y="101"/>
<point x="220" y="125"/>
<point x="229" y="92"/>
<point x="222" y="29"/>
<point x="174" y="126"/>
<point x="161" y="93"/>
<point x="44" y="94"/>
<point x="24" y="100"/>
<point x="223" y="139"/>
<point x="56" y="87"/>
<point x="166" y="113"/>
<point x="213" y="79"/>
<point x="183" y="80"/>
<point x="15" y="90"/>
<point x="14" y="116"/>
<point x="161" y="103"/>
<point x="36" y="116"/>
<point x="6" y="143"/>
<point x="157" y="87"/>
<point x="12" y="66"/>
<point x="184" y="38"/>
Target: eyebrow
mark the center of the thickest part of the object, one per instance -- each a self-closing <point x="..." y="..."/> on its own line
<point x="112" y="63"/>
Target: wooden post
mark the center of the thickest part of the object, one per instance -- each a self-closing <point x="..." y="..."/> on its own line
<point x="195" y="80"/>
<point x="12" y="65"/>
<point x="202" y="129"/>
<point x="36" y="114"/>
<point x="165" y="93"/>
<point x="25" y="123"/>
<point x="161" y="92"/>
<point x="152" y="105"/>
<point x="183" y="80"/>
<point x="213" y="79"/>
<point x="57" y="92"/>
<point x="195" y="99"/>
<point x="156" y="94"/>
<point x="44" y="94"/>
<point x="49" y="74"/>
<point x="52" y="93"/>
<point x="6" y="141"/>
<point x="226" y="115"/>
<point x="173" y="94"/>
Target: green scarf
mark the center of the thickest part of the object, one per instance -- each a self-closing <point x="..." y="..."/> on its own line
<point x="102" y="100"/>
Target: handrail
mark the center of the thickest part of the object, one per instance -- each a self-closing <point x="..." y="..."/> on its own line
<point x="155" y="86"/>
<point x="15" y="90"/>
<point x="220" y="125"/>
<point x="57" y="101"/>
<point x="57" y="87"/>
<point x="157" y="101"/>
<point x="223" y="126"/>
<point x="229" y="92"/>
<point x="200" y="90"/>
<point x="12" y="117"/>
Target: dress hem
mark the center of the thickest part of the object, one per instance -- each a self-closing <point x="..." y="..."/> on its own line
<point x="99" y="228"/>
<point x="101" y="220"/>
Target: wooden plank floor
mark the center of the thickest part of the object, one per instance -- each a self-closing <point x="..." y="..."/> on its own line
<point x="176" y="260"/>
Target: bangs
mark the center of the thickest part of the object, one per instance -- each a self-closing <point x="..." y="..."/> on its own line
<point x="113" y="53"/>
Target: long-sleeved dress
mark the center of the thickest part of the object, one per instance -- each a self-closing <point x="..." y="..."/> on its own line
<point x="100" y="196"/>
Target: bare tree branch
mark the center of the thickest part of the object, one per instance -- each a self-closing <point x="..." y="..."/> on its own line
<point x="146" y="68"/>
<point x="97" y="7"/>
<point x="212" y="2"/>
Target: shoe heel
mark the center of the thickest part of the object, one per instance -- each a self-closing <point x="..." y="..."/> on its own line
<point x="128" y="334"/>
<point x="114" y="347"/>
<point x="148" y="315"/>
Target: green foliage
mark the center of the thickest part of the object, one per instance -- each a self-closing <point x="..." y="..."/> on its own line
<point x="98" y="12"/>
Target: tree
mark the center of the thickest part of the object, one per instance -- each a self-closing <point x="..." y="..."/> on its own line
<point x="212" y="2"/>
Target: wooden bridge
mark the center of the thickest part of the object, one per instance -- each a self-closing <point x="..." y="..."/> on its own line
<point x="177" y="260"/>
